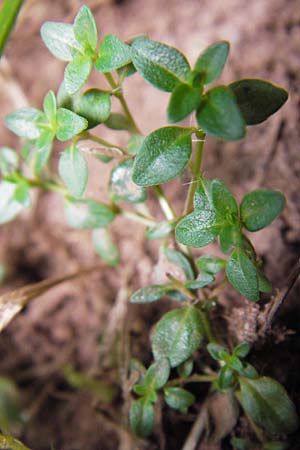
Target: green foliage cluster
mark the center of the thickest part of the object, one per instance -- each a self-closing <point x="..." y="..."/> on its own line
<point x="145" y="163"/>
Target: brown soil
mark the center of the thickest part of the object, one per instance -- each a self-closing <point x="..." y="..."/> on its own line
<point x="78" y="322"/>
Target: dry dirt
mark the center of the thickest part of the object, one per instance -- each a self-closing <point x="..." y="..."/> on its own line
<point x="68" y="324"/>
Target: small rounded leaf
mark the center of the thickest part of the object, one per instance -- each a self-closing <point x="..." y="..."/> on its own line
<point x="219" y="115"/>
<point x="242" y="274"/>
<point x="210" y="264"/>
<point x="113" y="54"/>
<point x="148" y="294"/>
<point x="177" y="335"/>
<point x="184" y="100"/>
<point x="85" y="29"/>
<point x="259" y="208"/>
<point x="142" y="417"/>
<point x="179" y="398"/>
<point x="268" y="405"/>
<point x="163" y="155"/>
<point x="85" y="214"/>
<point x="60" y="40"/>
<point x="24" y="122"/>
<point x="258" y="99"/>
<point x="94" y="105"/>
<point x="212" y="60"/>
<point x="69" y="124"/>
<point x="73" y="170"/>
<point x="77" y="73"/>
<point x="105" y="246"/>
<point x="198" y="228"/>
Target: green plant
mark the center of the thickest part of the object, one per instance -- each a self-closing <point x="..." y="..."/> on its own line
<point x="211" y="212"/>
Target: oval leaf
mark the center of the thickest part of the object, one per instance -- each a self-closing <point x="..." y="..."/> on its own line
<point x="60" y="40"/>
<point x="179" y="398"/>
<point x="142" y="417"/>
<point x="77" y="73"/>
<point x="258" y="99"/>
<point x="177" y="335"/>
<point x="24" y="122"/>
<point x="150" y="293"/>
<point x="198" y="228"/>
<point x="212" y="60"/>
<point x="85" y="29"/>
<point x="219" y="115"/>
<point x="73" y="170"/>
<point x="87" y="214"/>
<point x="163" y="155"/>
<point x="242" y="274"/>
<point x="210" y="264"/>
<point x="268" y="405"/>
<point x="113" y="54"/>
<point x="105" y="246"/>
<point x="184" y="100"/>
<point x="94" y="105"/>
<point x="259" y="208"/>
<point x="69" y="124"/>
<point x="161" y="65"/>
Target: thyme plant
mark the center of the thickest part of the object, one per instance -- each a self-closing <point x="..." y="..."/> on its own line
<point x="210" y="214"/>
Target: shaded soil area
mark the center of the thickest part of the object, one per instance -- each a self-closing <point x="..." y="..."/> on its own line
<point x="88" y="323"/>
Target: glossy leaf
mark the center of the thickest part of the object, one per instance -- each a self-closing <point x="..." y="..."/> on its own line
<point x="87" y="214"/>
<point x="150" y="293"/>
<point x="212" y="60"/>
<point x="198" y="228"/>
<point x="210" y="264"/>
<point x="268" y="405"/>
<point x="163" y="155"/>
<point x="121" y="186"/>
<point x="94" y="105"/>
<point x="69" y="124"/>
<point x="202" y="280"/>
<point x="9" y="160"/>
<point x="184" y="100"/>
<point x="258" y="99"/>
<point x="155" y="378"/>
<point x="113" y="54"/>
<point x="142" y="417"/>
<point x="60" y="40"/>
<point x="24" y="122"/>
<point x="177" y="335"/>
<point x="259" y="208"/>
<point x="77" y="73"/>
<point x="241" y="273"/>
<point x="161" y="65"/>
<point x="73" y="169"/>
<point x="181" y="261"/>
<point x="85" y="29"/>
<point x="105" y="246"/>
<point x="242" y="349"/>
<point x="218" y="352"/>
<point x="225" y="378"/>
<point x="179" y="398"/>
<point x="223" y="200"/>
<point x="219" y="115"/>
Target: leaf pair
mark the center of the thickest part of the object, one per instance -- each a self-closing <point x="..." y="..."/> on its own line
<point x="75" y="44"/>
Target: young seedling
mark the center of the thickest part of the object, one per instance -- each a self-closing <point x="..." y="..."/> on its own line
<point x="210" y="214"/>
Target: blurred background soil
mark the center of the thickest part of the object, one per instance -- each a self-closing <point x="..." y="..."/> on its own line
<point x="78" y="322"/>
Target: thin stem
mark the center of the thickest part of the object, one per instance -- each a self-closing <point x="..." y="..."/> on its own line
<point x="119" y="95"/>
<point x="196" y="378"/>
<point x="86" y="135"/>
<point x="164" y="203"/>
<point x="140" y="218"/>
<point x="181" y="287"/>
<point x="207" y="327"/>
<point x="196" y="169"/>
<point x="8" y="16"/>
<point x="46" y="185"/>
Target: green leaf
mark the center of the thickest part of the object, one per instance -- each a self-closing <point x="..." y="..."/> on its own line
<point x="60" y="40"/>
<point x="121" y="186"/>
<point x="117" y="121"/>
<point x="184" y="100"/>
<point x="249" y="371"/>
<point x="9" y="161"/>
<point x="264" y="284"/>
<point x="225" y="378"/>
<point x="163" y="155"/>
<point x="155" y="378"/>
<point x="268" y="405"/>
<point x="186" y="368"/>
<point x="241" y="273"/>
<point x="223" y="200"/>
<point x="259" y="208"/>
<point x="85" y="29"/>
<point x="179" y="398"/>
<point x="219" y="115"/>
<point x="258" y="99"/>
<point x="13" y="199"/>
<point x="242" y="444"/>
<point x="77" y="73"/>
<point x="49" y="106"/>
<point x="211" y="62"/>
<point x="87" y="214"/>
<point x="159" y="231"/>
<point x="150" y="293"/>
<point x="73" y="169"/>
<point x="203" y="279"/>
<point x="181" y="261"/>
<point x="198" y="228"/>
<point x="134" y="144"/>
<point x="126" y="71"/>
<point x="69" y="124"/>
<point x="113" y="54"/>
<point x="236" y="364"/>
<point x="105" y="246"/>
<point x="43" y="150"/>
<point x="203" y="197"/>
<point x="142" y="417"/>
<point x="177" y="335"/>
<point x="230" y="235"/>
<point x="218" y="352"/>
<point x="210" y="264"/>
<point x="242" y="349"/>
<point x="24" y="122"/>
<point x="94" y="105"/>
<point x="161" y="65"/>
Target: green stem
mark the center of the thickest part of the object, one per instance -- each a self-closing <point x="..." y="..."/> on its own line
<point x="8" y="16"/>
<point x="181" y="287"/>
<point x="46" y="185"/>
<point x="123" y="102"/>
<point x="196" y="170"/>
<point x="86" y="135"/>
<point x="207" y="327"/>
<point x="140" y="218"/>
<point x="192" y="379"/>
<point x="164" y="203"/>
